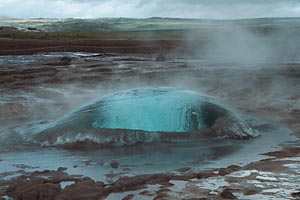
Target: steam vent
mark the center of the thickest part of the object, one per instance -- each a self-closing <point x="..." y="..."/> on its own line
<point x="146" y="115"/>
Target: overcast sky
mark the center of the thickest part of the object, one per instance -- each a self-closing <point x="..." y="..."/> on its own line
<point x="209" y="9"/>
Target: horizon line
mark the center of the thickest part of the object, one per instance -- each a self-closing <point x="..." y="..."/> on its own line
<point x="154" y="17"/>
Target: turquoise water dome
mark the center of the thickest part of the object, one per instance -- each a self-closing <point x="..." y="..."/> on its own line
<point x="165" y="110"/>
<point x="145" y="115"/>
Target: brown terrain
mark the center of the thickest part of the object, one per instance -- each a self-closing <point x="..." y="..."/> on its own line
<point x="268" y="91"/>
<point x="19" y="47"/>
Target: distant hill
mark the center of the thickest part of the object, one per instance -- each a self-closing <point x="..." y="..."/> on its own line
<point x="155" y="23"/>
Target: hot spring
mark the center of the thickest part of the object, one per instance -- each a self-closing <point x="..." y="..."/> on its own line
<point x="146" y="115"/>
<point x="167" y="128"/>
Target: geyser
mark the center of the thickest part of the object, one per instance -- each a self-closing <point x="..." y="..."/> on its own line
<point x="146" y="115"/>
<point x="151" y="110"/>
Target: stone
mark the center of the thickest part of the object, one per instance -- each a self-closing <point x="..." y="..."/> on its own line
<point x="34" y="189"/>
<point x="296" y="195"/>
<point x="83" y="190"/>
<point x="228" y="170"/>
<point x="8" y="28"/>
<point x="66" y="59"/>
<point x="227" y="194"/>
<point x="128" y="197"/>
<point x="114" y="164"/>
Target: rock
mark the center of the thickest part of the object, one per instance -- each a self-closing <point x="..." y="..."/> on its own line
<point x="83" y="190"/>
<point x="228" y="170"/>
<point x="34" y="189"/>
<point x="128" y="197"/>
<point x="66" y="59"/>
<point x="288" y="152"/>
<point x="158" y="178"/>
<point x="100" y="162"/>
<point x="146" y="193"/>
<point x="160" y="57"/>
<point x="114" y="164"/>
<point x="296" y="195"/>
<point x="32" y="29"/>
<point x="227" y="194"/>
<point x="61" y="169"/>
<point x="126" y="169"/>
<point x="52" y="176"/>
<point x="139" y="182"/>
<point x="130" y="183"/>
<point x="162" y="196"/>
<point x="8" y="28"/>
<point x="252" y="191"/>
<point x="184" y="169"/>
<point x="87" y="162"/>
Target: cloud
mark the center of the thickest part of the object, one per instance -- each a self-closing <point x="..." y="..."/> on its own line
<point x="212" y="9"/>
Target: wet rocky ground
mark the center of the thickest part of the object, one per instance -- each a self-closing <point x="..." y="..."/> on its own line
<point x="43" y="88"/>
<point x="273" y="178"/>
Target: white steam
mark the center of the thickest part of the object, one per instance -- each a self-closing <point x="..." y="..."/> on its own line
<point x="233" y="42"/>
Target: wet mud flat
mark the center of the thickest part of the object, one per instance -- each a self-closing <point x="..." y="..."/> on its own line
<point x="270" y="178"/>
<point x="42" y="88"/>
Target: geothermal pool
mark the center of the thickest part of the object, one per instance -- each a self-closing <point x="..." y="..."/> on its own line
<point x="149" y="117"/>
<point x="146" y="130"/>
<point x="144" y="115"/>
<point x="144" y="158"/>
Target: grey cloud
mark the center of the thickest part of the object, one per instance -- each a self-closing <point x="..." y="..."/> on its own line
<point x="213" y="9"/>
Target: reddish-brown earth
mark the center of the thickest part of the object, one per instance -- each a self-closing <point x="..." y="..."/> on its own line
<point x="126" y="46"/>
<point x="267" y="91"/>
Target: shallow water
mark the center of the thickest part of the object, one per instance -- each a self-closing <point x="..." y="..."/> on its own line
<point x="138" y="159"/>
<point x="141" y="157"/>
<point x="149" y="158"/>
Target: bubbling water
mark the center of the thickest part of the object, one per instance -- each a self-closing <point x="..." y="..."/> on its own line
<point x="146" y="115"/>
<point x="151" y="110"/>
